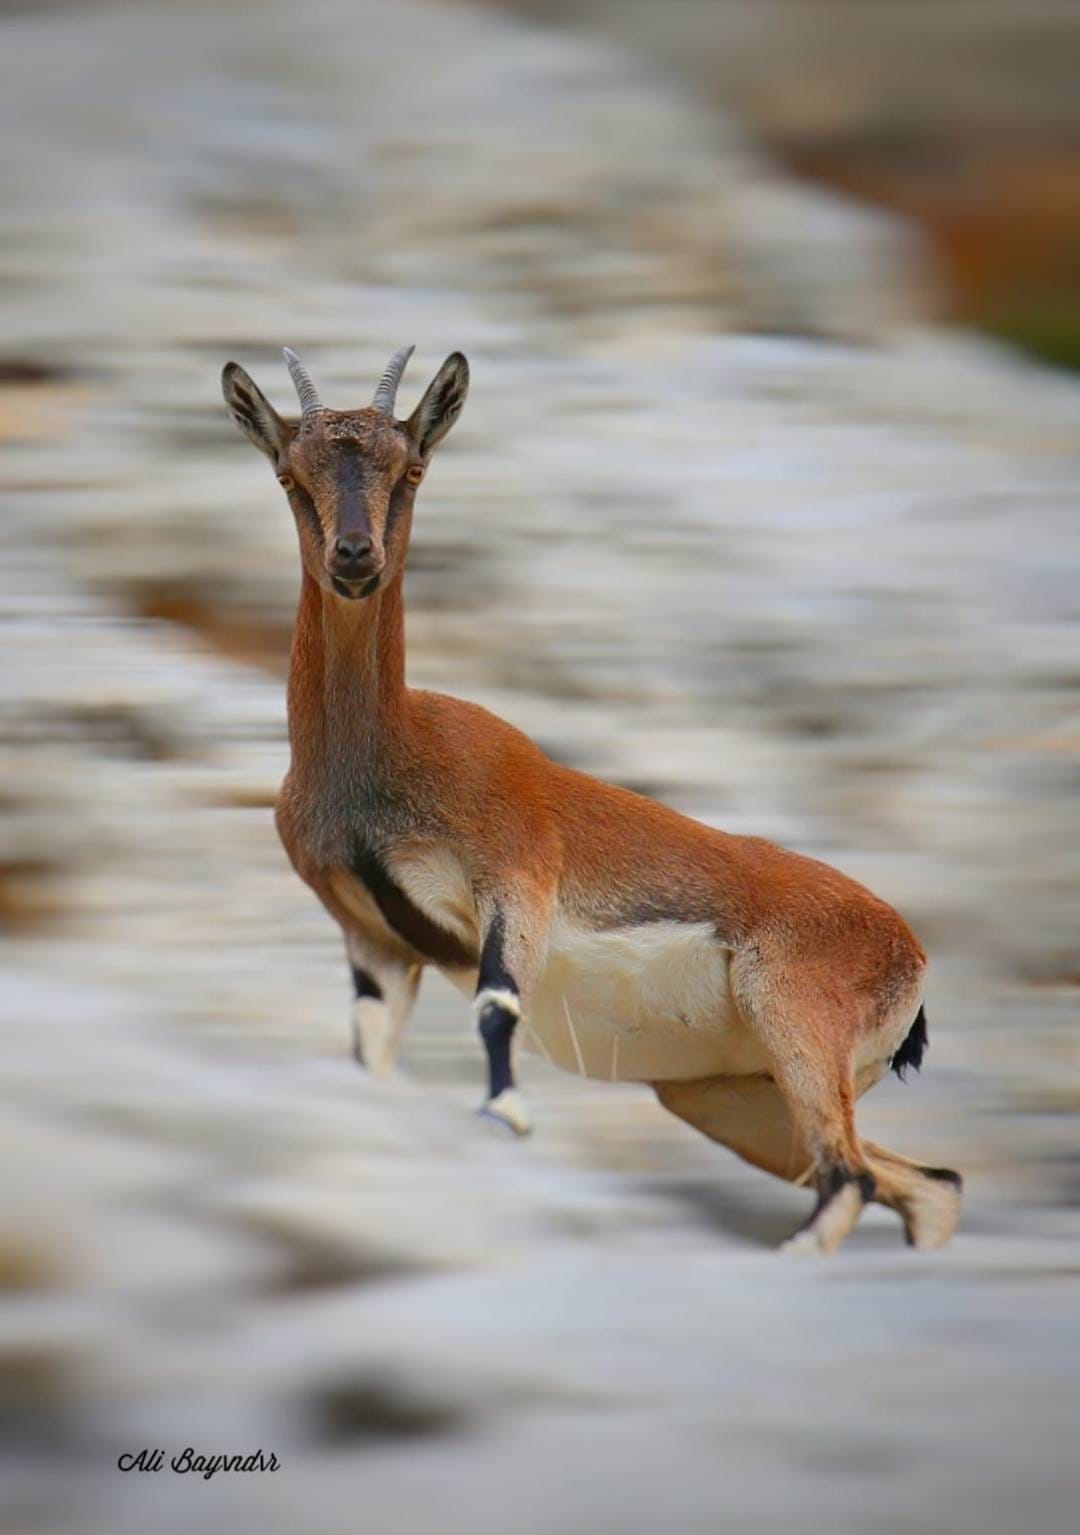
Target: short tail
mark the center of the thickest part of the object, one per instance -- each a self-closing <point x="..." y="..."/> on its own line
<point x="913" y="1048"/>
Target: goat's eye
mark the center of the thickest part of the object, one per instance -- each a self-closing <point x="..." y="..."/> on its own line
<point x="286" y="480"/>
<point x="414" y="474"/>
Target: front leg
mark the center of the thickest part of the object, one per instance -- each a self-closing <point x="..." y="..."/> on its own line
<point x="511" y="960"/>
<point x="385" y="989"/>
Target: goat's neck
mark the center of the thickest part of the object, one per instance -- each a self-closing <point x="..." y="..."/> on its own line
<point x="346" y="691"/>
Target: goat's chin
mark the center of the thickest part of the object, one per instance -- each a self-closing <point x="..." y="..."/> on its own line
<point x="355" y="591"/>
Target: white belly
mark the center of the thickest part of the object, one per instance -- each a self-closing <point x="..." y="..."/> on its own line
<point x="648" y="1003"/>
<point x="641" y="1004"/>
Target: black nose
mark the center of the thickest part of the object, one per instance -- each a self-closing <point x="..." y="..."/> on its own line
<point x="353" y="549"/>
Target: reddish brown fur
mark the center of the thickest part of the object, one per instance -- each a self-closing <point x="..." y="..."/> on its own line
<point x="827" y="976"/>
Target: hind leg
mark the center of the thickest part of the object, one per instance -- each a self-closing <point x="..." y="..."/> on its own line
<point x="755" y="1118"/>
<point x="813" y="1024"/>
<point x="751" y="1116"/>
<point x="927" y="1199"/>
<point x="385" y="990"/>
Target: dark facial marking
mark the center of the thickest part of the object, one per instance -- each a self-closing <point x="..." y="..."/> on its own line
<point x="356" y="593"/>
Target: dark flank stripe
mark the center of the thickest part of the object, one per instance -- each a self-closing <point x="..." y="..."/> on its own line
<point x="408" y="921"/>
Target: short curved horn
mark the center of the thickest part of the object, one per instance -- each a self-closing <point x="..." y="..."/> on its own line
<point x="386" y="393"/>
<point x="309" y="395"/>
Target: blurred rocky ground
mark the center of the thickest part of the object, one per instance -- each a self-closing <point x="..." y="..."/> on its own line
<point x="964" y="118"/>
<point x="727" y="520"/>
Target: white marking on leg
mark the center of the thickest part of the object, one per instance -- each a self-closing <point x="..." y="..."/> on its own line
<point x="373" y="1031"/>
<point x="573" y="1037"/>
<point x="507" y="1000"/>
<point x="838" y="1217"/>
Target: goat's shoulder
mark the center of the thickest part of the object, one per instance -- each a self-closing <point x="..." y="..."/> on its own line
<point x="463" y="735"/>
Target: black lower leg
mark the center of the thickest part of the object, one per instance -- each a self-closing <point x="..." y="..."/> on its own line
<point x="498" y="1010"/>
<point x="497" y="1025"/>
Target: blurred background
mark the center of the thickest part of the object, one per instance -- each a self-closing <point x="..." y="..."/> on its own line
<point x="765" y="502"/>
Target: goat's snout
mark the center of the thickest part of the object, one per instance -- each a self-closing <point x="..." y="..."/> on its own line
<point x="354" y="558"/>
<point x="354" y="550"/>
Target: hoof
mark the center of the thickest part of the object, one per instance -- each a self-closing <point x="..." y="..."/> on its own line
<point x="804" y="1244"/>
<point x="829" y="1224"/>
<point x="509" y="1110"/>
<point x="373" y="1039"/>
<point x="932" y="1212"/>
<point x="380" y="1068"/>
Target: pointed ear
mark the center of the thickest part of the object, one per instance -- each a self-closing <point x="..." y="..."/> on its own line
<point x="252" y="412"/>
<point x="441" y="405"/>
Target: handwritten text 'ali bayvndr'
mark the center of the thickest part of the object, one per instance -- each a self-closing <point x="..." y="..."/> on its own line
<point x="205" y="1466"/>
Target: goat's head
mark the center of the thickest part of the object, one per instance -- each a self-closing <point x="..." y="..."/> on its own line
<point x="350" y="475"/>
